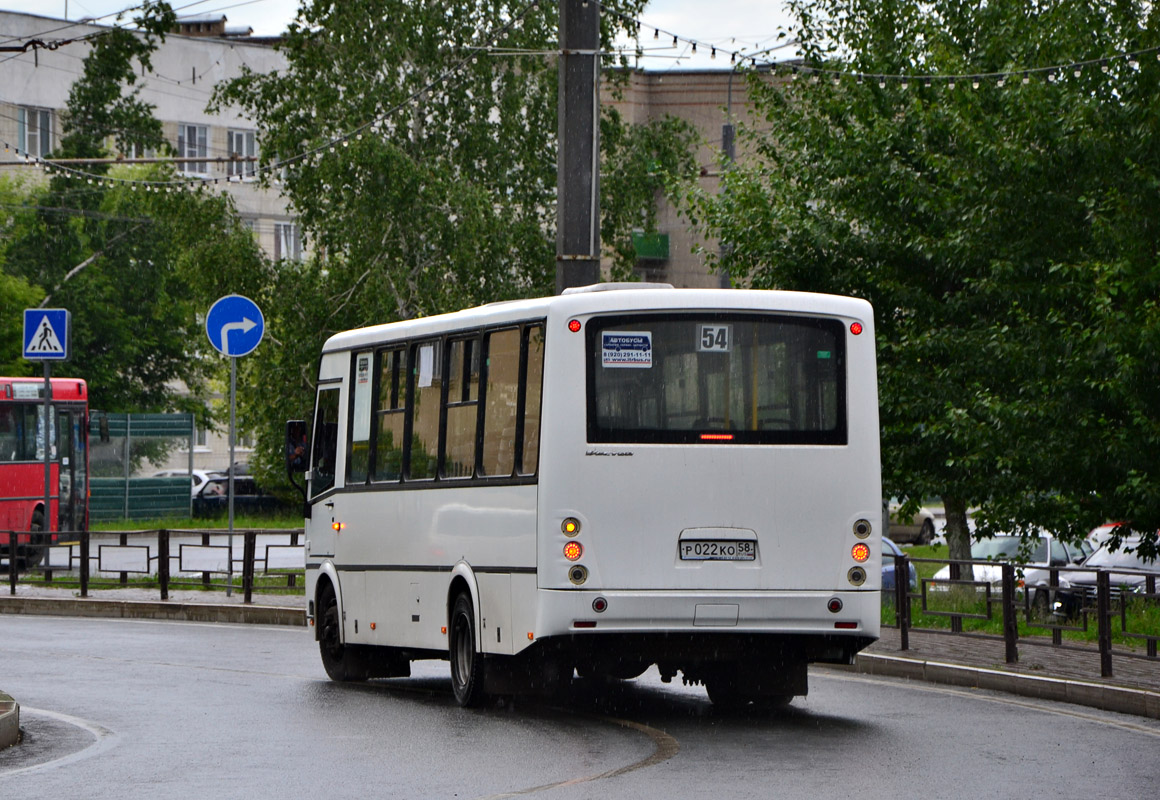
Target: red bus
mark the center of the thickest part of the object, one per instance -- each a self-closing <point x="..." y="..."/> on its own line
<point x="22" y="511"/>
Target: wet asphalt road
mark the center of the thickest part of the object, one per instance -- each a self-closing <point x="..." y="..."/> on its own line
<point x="142" y="709"/>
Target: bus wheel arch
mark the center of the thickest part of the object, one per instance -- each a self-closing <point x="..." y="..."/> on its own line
<point x="343" y="662"/>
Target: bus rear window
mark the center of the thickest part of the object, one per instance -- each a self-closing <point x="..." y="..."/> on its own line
<point x="716" y="378"/>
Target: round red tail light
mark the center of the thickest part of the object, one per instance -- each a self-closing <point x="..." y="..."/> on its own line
<point x="573" y="551"/>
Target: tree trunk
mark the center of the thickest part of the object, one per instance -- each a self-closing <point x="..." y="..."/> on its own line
<point x="958" y="534"/>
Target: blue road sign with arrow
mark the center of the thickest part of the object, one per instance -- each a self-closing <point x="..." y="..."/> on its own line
<point x="235" y="325"/>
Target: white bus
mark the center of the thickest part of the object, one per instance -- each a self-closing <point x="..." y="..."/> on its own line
<point x="620" y="476"/>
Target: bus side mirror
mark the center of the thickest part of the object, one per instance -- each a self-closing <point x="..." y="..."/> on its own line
<point x="297" y="446"/>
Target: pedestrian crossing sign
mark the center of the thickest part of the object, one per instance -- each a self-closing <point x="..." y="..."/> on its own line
<point x="46" y="334"/>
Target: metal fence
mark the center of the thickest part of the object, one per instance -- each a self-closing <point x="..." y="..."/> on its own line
<point x="169" y="559"/>
<point x="124" y="451"/>
<point x="1107" y="607"/>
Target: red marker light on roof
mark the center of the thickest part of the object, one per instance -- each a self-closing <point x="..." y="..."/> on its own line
<point x="574" y="326"/>
<point x="856" y="328"/>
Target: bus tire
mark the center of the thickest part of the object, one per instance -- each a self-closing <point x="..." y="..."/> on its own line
<point x="466" y="661"/>
<point x="35" y="550"/>
<point x="342" y="662"/>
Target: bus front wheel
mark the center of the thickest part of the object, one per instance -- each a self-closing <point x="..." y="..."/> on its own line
<point x="342" y="662"/>
<point x="466" y="662"/>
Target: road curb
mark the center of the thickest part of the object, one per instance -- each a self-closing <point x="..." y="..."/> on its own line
<point x="159" y="609"/>
<point x="9" y="721"/>
<point x="1121" y="699"/>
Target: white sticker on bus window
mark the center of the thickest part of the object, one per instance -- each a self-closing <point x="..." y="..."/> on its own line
<point x="362" y="398"/>
<point x="626" y="349"/>
<point x="714" y="338"/>
<point x="426" y="365"/>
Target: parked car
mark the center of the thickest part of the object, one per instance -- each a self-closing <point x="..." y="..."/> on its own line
<point x="1044" y="551"/>
<point x="197" y="477"/>
<point x="1077" y="590"/>
<point x="213" y="497"/>
<point x="889" y="549"/>
<point x="916" y="529"/>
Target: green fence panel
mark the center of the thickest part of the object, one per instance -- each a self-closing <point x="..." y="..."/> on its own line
<point x="149" y="498"/>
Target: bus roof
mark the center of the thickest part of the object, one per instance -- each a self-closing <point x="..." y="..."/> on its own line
<point x="63" y="389"/>
<point x="604" y="298"/>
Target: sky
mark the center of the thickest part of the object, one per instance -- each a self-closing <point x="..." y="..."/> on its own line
<point x="734" y="25"/>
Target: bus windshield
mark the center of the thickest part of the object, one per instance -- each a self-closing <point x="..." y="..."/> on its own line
<point x="716" y="378"/>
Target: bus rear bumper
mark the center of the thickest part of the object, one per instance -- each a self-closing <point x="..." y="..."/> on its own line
<point x="640" y="612"/>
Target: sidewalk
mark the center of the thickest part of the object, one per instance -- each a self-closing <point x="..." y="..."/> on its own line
<point x="1042" y="671"/>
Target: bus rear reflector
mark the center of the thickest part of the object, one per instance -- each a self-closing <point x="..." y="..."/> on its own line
<point x="716" y="437"/>
<point x="584" y="623"/>
<point x="846" y="625"/>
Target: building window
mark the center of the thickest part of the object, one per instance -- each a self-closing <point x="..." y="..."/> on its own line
<point x="242" y="146"/>
<point x="34" y="132"/>
<point x="287" y="242"/>
<point x="140" y="151"/>
<point x="191" y="143"/>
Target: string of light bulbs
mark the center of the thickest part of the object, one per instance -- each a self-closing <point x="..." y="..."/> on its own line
<point x="1023" y="75"/>
<point x="739" y="59"/>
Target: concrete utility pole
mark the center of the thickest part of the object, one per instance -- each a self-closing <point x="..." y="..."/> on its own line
<point x="578" y="166"/>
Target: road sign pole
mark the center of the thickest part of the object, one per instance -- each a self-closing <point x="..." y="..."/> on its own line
<point x="44" y="525"/>
<point x="233" y="439"/>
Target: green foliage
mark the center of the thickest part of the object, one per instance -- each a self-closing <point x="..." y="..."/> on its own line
<point x="98" y="105"/>
<point x="445" y="196"/>
<point x="1006" y="236"/>
<point x="135" y="268"/>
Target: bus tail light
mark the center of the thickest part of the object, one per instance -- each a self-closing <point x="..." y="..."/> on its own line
<point x="716" y="437"/>
<point x="860" y="552"/>
<point x="835" y="605"/>
<point x="599" y="605"/>
<point x="573" y="551"/>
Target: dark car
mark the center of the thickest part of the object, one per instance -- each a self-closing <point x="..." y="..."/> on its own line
<point x="1129" y="573"/>
<point x="212" y="499"/>
<point x="890" y="549"/>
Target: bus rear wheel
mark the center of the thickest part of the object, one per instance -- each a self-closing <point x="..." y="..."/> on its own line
<point x="342" y="662"/>
<point x="466" y="662"/>
<point x="33" y="553"/>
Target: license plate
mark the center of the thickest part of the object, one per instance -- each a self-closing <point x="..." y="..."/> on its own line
<point x="716" y="550"/>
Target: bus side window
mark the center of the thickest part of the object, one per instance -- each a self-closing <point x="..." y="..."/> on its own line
<point x="533" y="379"/>
<point x="502" y="402"/>
<point x="392" y="415"/>
<point x="427" y="379"/>
<point x="325" y="450"/>
<point x="458" y="458"/>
